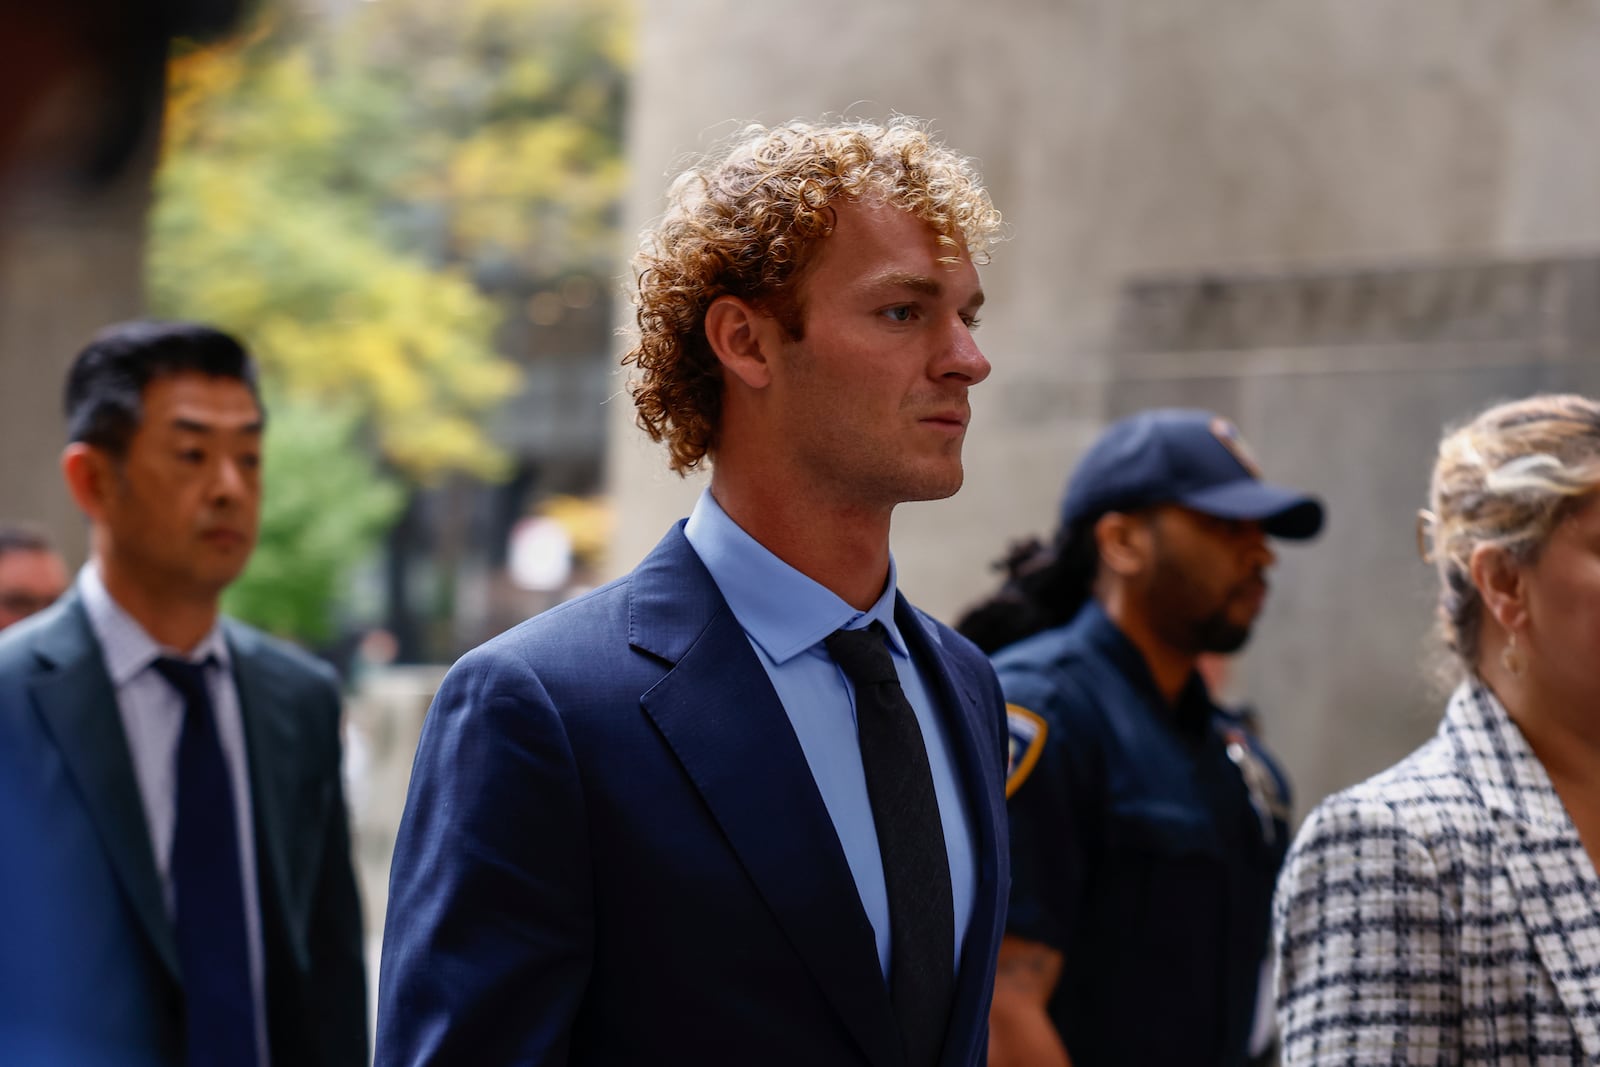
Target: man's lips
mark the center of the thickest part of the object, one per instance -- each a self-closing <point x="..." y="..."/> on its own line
<point x="953" y="420"/>
<point x="222" y="536"/>
<point x="1254" y="592"/>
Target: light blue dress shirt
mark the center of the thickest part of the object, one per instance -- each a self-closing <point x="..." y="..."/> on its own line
<point x="786" y="616"/>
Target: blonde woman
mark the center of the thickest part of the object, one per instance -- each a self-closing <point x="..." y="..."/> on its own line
<point x="1447" y="911"/>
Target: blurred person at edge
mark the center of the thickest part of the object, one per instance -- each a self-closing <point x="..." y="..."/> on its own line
<point x="1147" y="823"/>
<point x="1448" y="910"/>
<point x="177" y="887"/>
<point x="745" y="804"/>
<point x="83" y="82"/>
<point x="32" y="574"/>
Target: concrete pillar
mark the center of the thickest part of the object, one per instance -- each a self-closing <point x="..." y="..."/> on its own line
<point x="70" y="262"/>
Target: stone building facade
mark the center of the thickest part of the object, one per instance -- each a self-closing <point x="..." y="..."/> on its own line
<point x="1343" y="224"/>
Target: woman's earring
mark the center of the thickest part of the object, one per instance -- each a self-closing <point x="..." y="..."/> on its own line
<point x="1511" y="658"/>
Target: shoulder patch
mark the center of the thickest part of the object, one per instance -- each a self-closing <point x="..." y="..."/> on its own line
<point x="1026" y="732"/>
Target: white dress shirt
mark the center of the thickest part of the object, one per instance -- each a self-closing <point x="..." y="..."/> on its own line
<point x="152" y="720"/>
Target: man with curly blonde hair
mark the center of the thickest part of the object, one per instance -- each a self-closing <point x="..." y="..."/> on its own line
<point x="745" y="804"/>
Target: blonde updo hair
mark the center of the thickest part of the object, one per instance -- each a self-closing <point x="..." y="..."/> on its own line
<point x="745" y="221"/>
<point x="1506" y="478"/>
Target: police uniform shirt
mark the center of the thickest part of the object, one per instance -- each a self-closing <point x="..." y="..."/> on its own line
<point x="1145" y="841"/>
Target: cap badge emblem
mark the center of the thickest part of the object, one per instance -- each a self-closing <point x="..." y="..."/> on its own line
<point x="1228" y="434"/>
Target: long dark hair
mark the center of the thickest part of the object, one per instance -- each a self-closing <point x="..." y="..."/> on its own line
<point x="1045" y="586"/>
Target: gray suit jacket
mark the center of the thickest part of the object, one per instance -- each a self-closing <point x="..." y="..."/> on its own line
<point x="89" y="973"/>
<point x="1442" y="912"/>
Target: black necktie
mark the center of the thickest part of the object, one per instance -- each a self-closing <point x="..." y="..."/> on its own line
<point x="916" y="867"/>
<point x="213" y="950"/>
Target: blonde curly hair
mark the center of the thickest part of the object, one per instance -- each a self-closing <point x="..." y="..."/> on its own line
<point x="745" y="222"/>
<point x="1506" y="478"/>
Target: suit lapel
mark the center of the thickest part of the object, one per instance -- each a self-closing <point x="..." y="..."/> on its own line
<point x="272" y="744"/>
<point x="79" y="708"/>
<point x="718" y="712"/>
<point x="1559" y="896"/>
<point x="980" y="774"/>
<point x="1555" y="883"/>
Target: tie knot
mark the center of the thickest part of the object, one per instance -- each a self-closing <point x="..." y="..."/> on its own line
<point x="187" y="677"/>
<point x="863" y="655"/>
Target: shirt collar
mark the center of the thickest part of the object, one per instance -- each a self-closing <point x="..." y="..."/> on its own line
<point x="128" y="649"/>
<point x="782" y="610"/>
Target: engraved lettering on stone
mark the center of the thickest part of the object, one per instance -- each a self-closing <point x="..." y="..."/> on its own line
<point x="1456" y="302"/>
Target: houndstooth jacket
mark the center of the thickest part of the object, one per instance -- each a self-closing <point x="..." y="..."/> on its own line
<point x="1443" y="912"/>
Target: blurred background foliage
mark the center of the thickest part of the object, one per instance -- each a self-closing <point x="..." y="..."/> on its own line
<point x="362" y="195"/>
<point x="324" y="510"/>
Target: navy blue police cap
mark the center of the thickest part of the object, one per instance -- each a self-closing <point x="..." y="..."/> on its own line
<point x="1189" y="457"/>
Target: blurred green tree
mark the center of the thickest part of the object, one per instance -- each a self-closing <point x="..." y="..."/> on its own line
<point x="323" y="511"/>
<point x="357" y="199"/>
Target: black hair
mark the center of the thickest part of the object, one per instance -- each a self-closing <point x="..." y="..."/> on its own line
<point x="105" y="388"/>
<point x="1045" y="587"/>
<point x="22" y="537"/>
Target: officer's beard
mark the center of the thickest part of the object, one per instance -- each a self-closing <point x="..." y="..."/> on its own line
<point x="1218" y="633"/>
<point x="1180" y="613"/>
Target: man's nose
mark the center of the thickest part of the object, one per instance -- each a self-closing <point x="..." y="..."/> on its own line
<point x="963" y="359"/>
<point x="229" y="481"/>
<point x="1261" y="549"/>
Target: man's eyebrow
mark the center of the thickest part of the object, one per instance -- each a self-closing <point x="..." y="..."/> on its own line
<point x="918" y="283"/>
<point x="195" y="426"/>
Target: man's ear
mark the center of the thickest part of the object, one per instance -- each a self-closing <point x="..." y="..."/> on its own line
<point x="1124" y="543"/>
<point x="741" y="337"/>
<point x="88" y="474"/>
<point x="1502" y="584"/>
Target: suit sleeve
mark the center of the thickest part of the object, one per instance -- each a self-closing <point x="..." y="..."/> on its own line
<point x="487" y="944"/>
<point x="337" y="992"/>
<point x="1367" y="956"/>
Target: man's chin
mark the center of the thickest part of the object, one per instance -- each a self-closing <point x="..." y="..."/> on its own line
<point x="216" y="578"/>
<point x="1224" y="638"/>
<point x="940" y="486"/>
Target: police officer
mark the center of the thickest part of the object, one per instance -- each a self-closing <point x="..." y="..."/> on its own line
<point x="1147" y="824"/>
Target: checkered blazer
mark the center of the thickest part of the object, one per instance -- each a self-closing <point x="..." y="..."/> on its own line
<point x="1443" y="912"/>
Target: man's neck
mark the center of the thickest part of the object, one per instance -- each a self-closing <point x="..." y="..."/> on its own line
<point x="171" y="620"/>
<point x="843" y="550"/>
<point x="1169" y="668"/>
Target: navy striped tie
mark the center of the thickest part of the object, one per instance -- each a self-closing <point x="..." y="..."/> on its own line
<point x="213" y="946"/>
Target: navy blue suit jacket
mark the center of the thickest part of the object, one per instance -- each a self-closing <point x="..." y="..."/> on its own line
<point x="613" y="851"/>
<point x="88" y="957"/>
